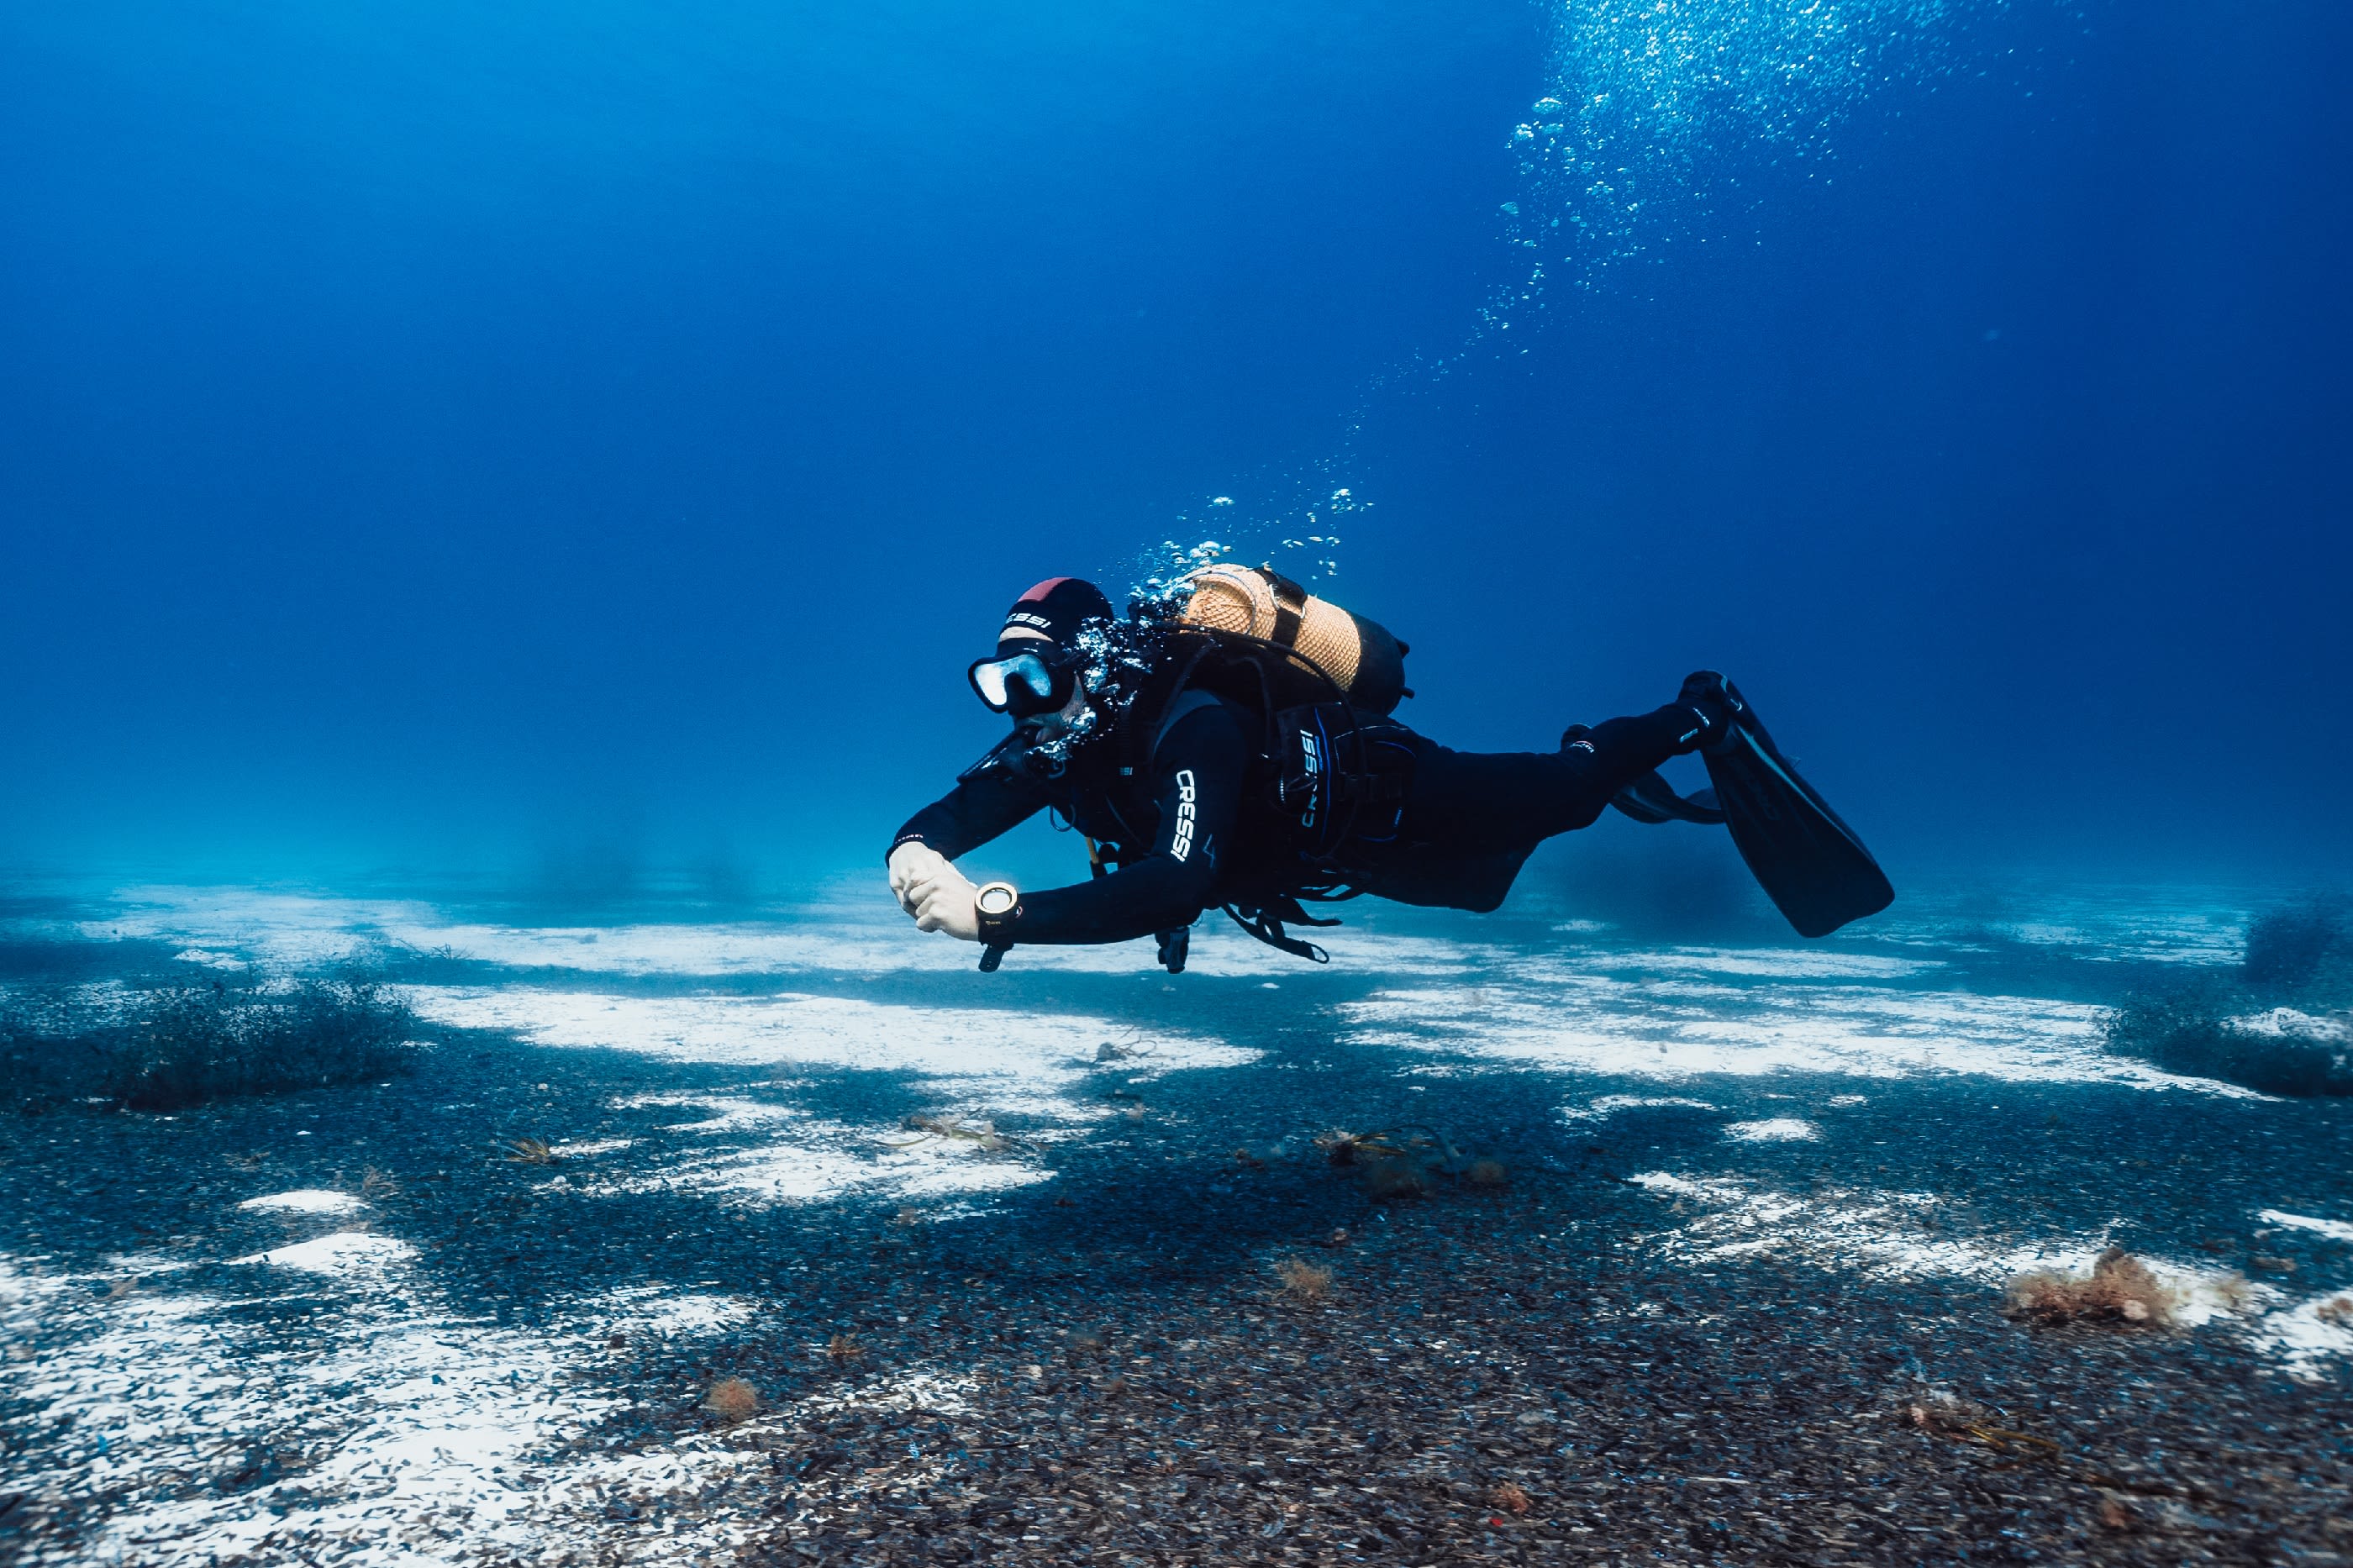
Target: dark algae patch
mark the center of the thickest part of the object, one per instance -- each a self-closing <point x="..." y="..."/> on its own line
<point x="166" y="1046"/>
<point x="2282" y="1022"/>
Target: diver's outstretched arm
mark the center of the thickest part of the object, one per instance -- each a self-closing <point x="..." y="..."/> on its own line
<point x="982" y="805"/>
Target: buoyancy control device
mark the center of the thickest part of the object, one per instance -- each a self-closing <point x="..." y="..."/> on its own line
<point x="1323" y="681"/>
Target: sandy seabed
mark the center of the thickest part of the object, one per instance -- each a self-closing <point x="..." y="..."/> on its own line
<point x="1051" y="1266"/>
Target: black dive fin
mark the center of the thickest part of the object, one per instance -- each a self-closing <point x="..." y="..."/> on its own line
<point x="1809" y="863"/>
<point x="1652" y="799"/>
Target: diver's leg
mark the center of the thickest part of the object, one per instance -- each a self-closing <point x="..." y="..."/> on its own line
<point x="1499" y="799"/>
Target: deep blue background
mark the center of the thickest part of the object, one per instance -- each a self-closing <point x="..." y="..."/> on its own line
<point x="564" y="443"/>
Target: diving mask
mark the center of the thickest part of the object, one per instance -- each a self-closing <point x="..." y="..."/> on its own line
<point x="1027" y="684"/>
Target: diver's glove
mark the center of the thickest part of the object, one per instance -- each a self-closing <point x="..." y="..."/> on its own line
<point x="945" y="901"/>
<point x="912" y="864"/>
<point x="930" y="889"/>
<point x="1714" y="707"/>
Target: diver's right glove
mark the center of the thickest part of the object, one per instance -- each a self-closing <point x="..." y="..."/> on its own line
<point x="1715" y="705"/>
<point x="912" y="864"/>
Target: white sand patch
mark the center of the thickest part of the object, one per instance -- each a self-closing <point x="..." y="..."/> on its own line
<point x="999" y="1063"/>
<point x="1774" y="1129"/>
<point x="25" y="1288"/>
<point x="980" y="1060"/>
<point x="2334" y="1229"/>
<point x="454" y="1455"/>
<point x="2289" y="1023"/>
<point x="822" y="1161"/>
<point x="2199" y="926"/>
<point x="2308" y="1335"/>
<point x="345" y="1252"/>
<point x="589" y="1148"/>
<point x="1843" y="1100"/>
<point x="424" y="1443"/>
<point x="1598" y="1019"/>
<point x="733" y="1115"/>
<point x="306" y="1200"/>
<point x="235" y="924"/>
<point x="130" y="1267"/>
<point x="808" y="1159"/>
<point x="1608" y="1105"/>
<point x="1778" y="963"/>
<point x="653" y="1309"/>
<point x="377" y="1437"/>
<point x="974" y="1045"/>
<point x="783" y="1173"/>
<point x="1890" y="1233"/>
<point x="135" y="1388"/>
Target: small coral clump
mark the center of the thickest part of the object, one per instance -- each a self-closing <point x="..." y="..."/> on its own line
<point x="1509" y="1496"/>
<point x="1946" y="1414"/>
<point x="1304" y="1281"/>
<point x="2120" y="1290"/>
<point x="732" y="1399"/>
<point x="1487" y="1174"/>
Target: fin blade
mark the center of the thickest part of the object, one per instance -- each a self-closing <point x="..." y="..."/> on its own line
<point x="1814" y="868"/>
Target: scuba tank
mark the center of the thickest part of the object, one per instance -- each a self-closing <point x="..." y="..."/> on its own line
<point x="1326" y="652"/>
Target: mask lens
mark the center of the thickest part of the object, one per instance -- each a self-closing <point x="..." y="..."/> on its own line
<point x="988" y="682"/>
<point x="1020" y="686"/>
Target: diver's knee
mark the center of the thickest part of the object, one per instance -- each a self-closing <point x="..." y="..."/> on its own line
<point x="1581" y="814"/>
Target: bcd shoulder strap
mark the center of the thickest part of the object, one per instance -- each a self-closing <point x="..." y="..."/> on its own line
<point x="1190" y="701"/>
<point x="1265" y="920"/>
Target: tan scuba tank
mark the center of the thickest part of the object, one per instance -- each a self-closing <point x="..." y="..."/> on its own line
<point x="1257" y="603"/>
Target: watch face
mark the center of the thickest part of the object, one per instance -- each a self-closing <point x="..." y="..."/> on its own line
<point x="996" y="898"/>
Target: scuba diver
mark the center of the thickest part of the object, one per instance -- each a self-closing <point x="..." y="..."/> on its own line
<point x="1230" y="745"/>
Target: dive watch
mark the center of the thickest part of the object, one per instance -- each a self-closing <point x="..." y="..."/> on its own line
<point x="996" y="905"/>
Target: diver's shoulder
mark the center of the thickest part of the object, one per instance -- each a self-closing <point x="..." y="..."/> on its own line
<point x="1198" y="716"/>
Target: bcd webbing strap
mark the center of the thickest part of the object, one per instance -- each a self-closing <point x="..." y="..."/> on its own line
<point x="1290" y="606"/>
<point x="1270" y="932"/>
<point x="1265" y="921"/>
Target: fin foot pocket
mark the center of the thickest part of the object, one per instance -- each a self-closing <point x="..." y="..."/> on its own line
<point x="1652" y="799"/>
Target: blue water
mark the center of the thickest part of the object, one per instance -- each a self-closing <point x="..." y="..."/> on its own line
<point x="571" y="447"/>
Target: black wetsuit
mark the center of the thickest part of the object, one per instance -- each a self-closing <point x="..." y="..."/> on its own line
<point x="1193" y="825"/>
